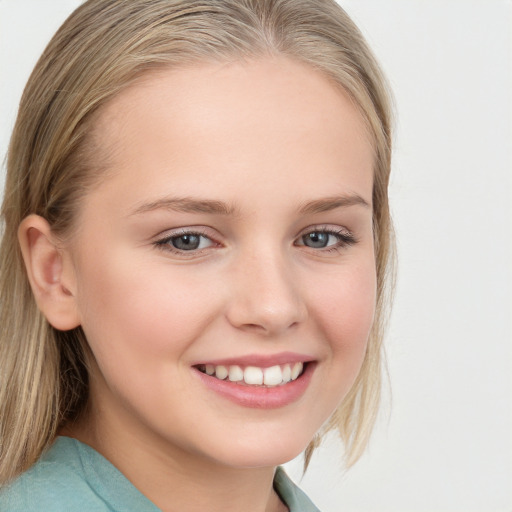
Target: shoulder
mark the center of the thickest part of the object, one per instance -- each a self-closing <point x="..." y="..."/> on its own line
<point x="295" y="499"/>
<point x="72" y="477"/>
<point x="55" y="483"/>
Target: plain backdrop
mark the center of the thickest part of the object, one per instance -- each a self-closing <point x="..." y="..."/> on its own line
<point x="444" y="440"/>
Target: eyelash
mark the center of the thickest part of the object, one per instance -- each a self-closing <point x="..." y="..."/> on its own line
<point x="164" y="244"/>
<point x="345" y="239"/>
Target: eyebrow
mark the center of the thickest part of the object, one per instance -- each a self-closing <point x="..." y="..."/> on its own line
<point x="331" y="203"/>
<point x="209" y="206"/>
<point x="187" y="205"/>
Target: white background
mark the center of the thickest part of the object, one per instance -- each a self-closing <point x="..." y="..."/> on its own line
<point x="444" y="441"/>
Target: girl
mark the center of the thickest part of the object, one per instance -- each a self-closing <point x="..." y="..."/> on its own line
<point x="195" y="256"/>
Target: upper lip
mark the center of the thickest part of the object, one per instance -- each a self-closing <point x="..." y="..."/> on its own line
<point x="259" y="360"/>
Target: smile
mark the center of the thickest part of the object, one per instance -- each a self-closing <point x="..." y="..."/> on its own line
<point x="258" y="382"/>
<point x="272" y="376"/>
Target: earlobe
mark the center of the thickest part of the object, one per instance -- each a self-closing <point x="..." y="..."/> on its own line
<point x="49" y="273"/>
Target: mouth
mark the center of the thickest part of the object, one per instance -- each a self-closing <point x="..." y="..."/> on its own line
<point x="261" y="387"/>
<point x="273" y="376"/>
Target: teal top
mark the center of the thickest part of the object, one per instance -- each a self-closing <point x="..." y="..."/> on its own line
<point x="72" y="477"/>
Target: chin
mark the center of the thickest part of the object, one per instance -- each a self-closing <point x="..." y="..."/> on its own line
<point x="259" y="454"/>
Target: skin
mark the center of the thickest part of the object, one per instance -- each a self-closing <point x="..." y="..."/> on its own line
<point x="264" y="137"/>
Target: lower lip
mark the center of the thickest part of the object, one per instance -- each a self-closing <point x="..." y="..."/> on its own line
<point x="260" y="397"/>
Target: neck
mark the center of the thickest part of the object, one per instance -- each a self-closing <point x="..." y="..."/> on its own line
<point x="175" y="479"/>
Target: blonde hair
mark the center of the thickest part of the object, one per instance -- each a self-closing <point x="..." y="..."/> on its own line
<point x="52" y="162"/>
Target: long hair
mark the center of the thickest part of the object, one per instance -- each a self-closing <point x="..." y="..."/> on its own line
<point x="103" y="47"/>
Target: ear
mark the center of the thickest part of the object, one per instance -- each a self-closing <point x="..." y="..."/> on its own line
<point x="50" y="273"/>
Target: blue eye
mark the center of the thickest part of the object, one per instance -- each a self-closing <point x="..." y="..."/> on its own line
<point x="185" y="242"/>
<point x="326" y="239"/>
<point x="318" y="240"/>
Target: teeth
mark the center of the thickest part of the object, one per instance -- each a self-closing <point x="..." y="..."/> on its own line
<point x="287" y="373"/>
<point x="221" y="372"/>
<point x="272" y="376"/>
<point x="296" y="370"/>
<point x="254" y="376"/>
<point x="236" y="374"/>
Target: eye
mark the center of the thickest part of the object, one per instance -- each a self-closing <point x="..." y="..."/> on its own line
<point x="323" y="238"/>
<point x="185" y="241"/>
<point x="318" y="240"/>
<point x="189" y="242"/>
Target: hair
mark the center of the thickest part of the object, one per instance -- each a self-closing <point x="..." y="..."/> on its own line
<point x="102" y="48"/>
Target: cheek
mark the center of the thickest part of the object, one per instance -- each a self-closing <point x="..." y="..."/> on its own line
<point x="137" y="313"/>
<point x="343" y="313"/>
<point x="345" y="309"/>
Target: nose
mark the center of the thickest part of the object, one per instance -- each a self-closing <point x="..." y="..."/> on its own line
<point x="266" y="297"/>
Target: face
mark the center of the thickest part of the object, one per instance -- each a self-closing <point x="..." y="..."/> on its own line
<point x="224" y="270"/>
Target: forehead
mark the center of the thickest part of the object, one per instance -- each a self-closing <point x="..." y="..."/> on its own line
<point x="212" y="119"/>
